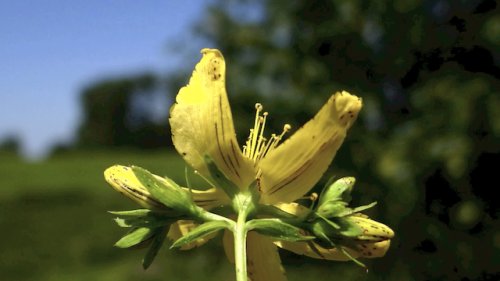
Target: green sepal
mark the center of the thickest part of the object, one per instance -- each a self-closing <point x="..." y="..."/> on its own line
<point x="167" y="192"/>
<point x="339" y="209"/>
<point x="134" y="237"/>
<point x="348" y="228"/>
<point x="131" y="213"/>
<point x="364" y="207"/>
<point x="156" y="243"/>
<point x="200" y="232"/>
<point x="329" y="230"/>
<point x="144" y="212"/>
<point x="332" y="209"/>
<point x="220" y="179"/>
<point x="340" y="190"/>
<point x="143" y="218"/>
<point x="278" y="229"/>
<point x="346" y="253"/>
<point x="327" y="221"/>
<point x="321" y="229"/>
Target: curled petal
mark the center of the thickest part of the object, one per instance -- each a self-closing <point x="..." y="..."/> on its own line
<point x="181" y="227"/>
<point x="202" y="123"/>
<point x="292" y="169"/>
<point x="359" y="250"/>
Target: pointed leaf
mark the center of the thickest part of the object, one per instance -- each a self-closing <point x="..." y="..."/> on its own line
<point x="146" y="221"/>
<point x="143" y="218"/>
<point x="158" y="239"/>
<point x="200" y="232"/>
<point x="364" y="207"/>
<point x="278" y="229"/>
<point x="134" y="237"/>
<point x="144" y="212"/>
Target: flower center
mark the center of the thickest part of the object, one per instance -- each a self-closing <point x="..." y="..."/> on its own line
<point x="257" y="146"/>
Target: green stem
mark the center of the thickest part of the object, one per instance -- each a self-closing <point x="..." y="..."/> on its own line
<point x="240" y="246"/>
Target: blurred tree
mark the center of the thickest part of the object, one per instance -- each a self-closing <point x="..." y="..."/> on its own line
<point x="428" y="72"/>
<point x="125" y="112"/>
<point x="10" y="144"/>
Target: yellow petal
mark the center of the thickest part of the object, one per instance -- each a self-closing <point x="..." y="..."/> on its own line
<point x="202" y="123"/>
<point x="208" y="199"/>
<point x="292" y="169"/>
<point x="372" y="230"/>
<point x="182" y="227"/>
<point x="313" y="250"/>
<point x="123" y="180"/>
<point x="263" y="260"/>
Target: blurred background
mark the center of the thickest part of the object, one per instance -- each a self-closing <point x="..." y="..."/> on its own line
<point x="88" y="84"/>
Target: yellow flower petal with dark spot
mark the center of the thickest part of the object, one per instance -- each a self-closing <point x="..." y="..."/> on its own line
<point x="202" y="123"/>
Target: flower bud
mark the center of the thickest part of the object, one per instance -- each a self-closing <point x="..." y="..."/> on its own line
<point x="150" y="191"/>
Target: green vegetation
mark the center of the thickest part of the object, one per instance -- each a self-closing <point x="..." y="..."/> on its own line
<point x="55" y="226"/>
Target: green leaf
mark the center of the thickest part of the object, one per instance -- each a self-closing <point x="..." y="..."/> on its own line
<point x="220" y="179"/>
<point x="278" y="229"/>
<point x="200" y="232"/>
<point x="166" y="191"/>
<point x="158" y="239"/>
<point x="134" y="237"/>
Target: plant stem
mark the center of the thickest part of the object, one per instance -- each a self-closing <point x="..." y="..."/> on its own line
<point x="240" y="246"/>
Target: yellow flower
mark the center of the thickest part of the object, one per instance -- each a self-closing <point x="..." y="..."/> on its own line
<point x="202" y="125"/>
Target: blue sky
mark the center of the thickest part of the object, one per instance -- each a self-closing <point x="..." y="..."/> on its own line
<point x="50" y="50"/>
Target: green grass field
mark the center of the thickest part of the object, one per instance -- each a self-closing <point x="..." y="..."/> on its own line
<point x="54" y="225"/>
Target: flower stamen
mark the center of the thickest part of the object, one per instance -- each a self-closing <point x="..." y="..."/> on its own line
<point x="257" y="146"/>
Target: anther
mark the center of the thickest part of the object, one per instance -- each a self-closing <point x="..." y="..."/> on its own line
<point x="258" y="106"/>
